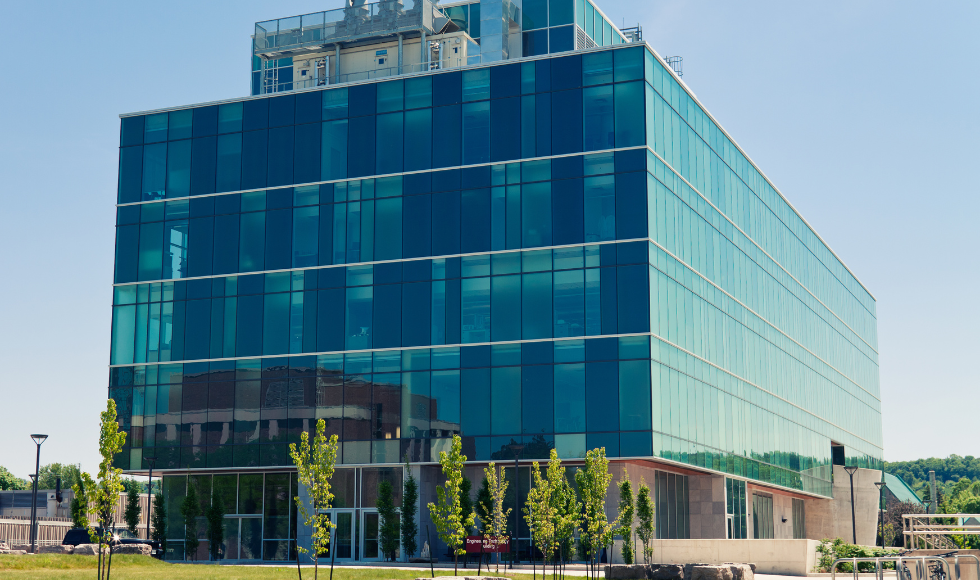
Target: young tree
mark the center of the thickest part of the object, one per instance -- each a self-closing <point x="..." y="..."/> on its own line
<point x="484" y="505"/>
<point x="190" y="509"/>
<point x="645" y="511"/>
<point x="539" y="513"/>
<point x="410" y="500"/>
<point x="627" y="511"/>
<point x="133" y="508"/>
<point x="447" y="513"/>
<point x="593" y="484"/>
<point x="466" y="502"/>
<point x="565" y="504"/>
<point x="103" y="493"/>
<point x="496" y="524"/>
<point x="79" y="505"/>
<point x="315" y="467"/>
<point x="389" y="521"/>
<point x="159" y="521"/>
<point x="215" y="516"/>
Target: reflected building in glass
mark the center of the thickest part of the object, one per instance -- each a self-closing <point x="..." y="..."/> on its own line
<point x="507" y="221"/>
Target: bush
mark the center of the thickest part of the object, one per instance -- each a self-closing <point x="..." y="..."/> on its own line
<point x="830" y="550"/>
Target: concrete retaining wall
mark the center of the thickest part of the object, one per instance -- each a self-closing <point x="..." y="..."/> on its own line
<point x="787" y="557"/>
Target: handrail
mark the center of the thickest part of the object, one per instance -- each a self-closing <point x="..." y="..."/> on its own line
<point x="899" y="560"/>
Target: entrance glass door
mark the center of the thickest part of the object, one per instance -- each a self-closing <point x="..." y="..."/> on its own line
<point x="370" y="535"/>
<point x="243" y="538"/>
<point x="343" y="534"/>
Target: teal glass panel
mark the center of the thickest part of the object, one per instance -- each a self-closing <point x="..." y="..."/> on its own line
<point x="505" y="307"/>
<point x="535" y="15"/>
<point x="629" y="113"/>
<point x="505" y="401"/>
<point x="536" y="297"/>
<point x="569" y="398"/>
<point x="562" y="12"/>
<point x="598" y="122"/>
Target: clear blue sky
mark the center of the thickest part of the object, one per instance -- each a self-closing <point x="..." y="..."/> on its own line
<point x="862" y="113"/>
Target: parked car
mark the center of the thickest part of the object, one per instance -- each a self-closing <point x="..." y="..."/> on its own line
<point x="76" y="536"/>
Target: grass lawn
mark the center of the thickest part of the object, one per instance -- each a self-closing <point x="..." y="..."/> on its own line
<point x="70" y="567"/>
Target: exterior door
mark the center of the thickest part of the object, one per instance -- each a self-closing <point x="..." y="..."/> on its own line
<point x="370" y="535"/>
<point x="343" y="534"/>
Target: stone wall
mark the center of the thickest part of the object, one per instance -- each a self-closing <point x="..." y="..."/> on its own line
<point x="786" y="557"/>
<point x="832" y="518"/>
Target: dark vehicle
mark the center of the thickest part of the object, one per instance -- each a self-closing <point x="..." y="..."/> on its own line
<point x="78" y="536"/>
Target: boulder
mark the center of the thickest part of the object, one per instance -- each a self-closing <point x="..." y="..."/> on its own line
<point x="708" y="572"/>
<point x="138" y="549"/>
<point x="742" y="571"/>
<point x="14" y="552"/>
<point x="89" y="550"/>
<point x="466" y="578"/>
<point x="54" y="549"/>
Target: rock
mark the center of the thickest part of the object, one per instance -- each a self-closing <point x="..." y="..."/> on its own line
<point x="742" y="571"/>
<point x="666" y="572"/>
<point x="14" y="552"/>
<point x="139" y="549"/>
<point x="703" y="572"/>
<point x="54" y="549"/>
<point x="466" y="578"/>
<point x="89" y="550"/>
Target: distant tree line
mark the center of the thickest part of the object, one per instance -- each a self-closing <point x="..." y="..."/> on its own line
<point x="949" y="471"/>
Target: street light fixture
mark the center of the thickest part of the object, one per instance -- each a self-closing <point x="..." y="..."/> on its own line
<point x="38" y="440"/>
<point x="516" y="448"/>
<point x="881" y="517"/>
<point x="850" y="469"/>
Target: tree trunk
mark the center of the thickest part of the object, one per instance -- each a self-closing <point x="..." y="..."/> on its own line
<point x="108" y="572"/>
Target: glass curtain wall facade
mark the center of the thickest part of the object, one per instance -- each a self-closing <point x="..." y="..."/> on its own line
<point x="564" y="251"/>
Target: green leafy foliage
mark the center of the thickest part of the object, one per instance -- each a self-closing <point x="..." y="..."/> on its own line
<point x="830" y="550"/>
<point x="949" y="471"/>
<point x="315" y="463"/>
<point x="410" y="500"/>
<point x="627" y="512"/>
<point x="70" y="474"/>
<point x="8" y="481"/>
<point x="466" y="502"/>
<point x="447" y="511"/>
<point x="79" y="505"/>
<point x="214" y="514"/>
<point x="593" y="485"/>
<point x="133" y="508"/>
<point x="158" y="521"/>
<point x="102" y="494"/>
<point x="495" y="525"/>
<point x="389" y="521"/>
<point x="645" y="515"/>
<point x="190" y="509"/>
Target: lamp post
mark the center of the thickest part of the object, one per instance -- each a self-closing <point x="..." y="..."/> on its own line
<point x="881" y="518"/>
<point x="149" y="496"/>
<point x="38" y="440"/>
<point x="850" y="469"/>
<point x="516" y="448"/>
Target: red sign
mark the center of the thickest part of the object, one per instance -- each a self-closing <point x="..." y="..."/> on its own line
<point x="491" y="544"/>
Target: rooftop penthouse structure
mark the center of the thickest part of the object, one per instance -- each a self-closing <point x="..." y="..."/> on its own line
<point x="382" y="39"/>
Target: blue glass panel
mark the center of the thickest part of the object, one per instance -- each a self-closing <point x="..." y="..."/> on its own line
<point x="131" y="131"/>
<point x="154" y="171"/>
<point x="359" y="325"/>
<point x="569" y="398"/>
<point x="598" y="120"/>
<point x="229" y="170"/>
<point x="281" y="142"/>
<point x="505" y="308"/>
<point x="197" y="334"/>
<point x="150" y="251"/>
<point x="248" y="341"/>
<point x="505" y="400"/>
<point x="566" y="114"/>
<point x="505" y="129"/>
<point x="569" y="297"/>
<point x="562" y="39"/>
<point x="536" y="214"/>
<point x="252" y="242"/>
<point x="538" y="404"/>
<point x="417" y="219"/>
<point x="282" y="111"/>
<point x="305" y="226"/>
<point x="308" y="107"/>
<point x="566" y="73"/>
<point x="230" y="118"/>
<point x="388" y="229"/>
<point x="475" y="310"/>
<point x="602" y="396"/>
<point x="363" y="100"/>
<point x="200" y="246"/>
<point x="306" y="162"/>
<point x="535" y="15"/>
<point x="127" y="255"/>
<point x="476" y="85"/>
<point x="569" y="208"/>
<point x="630" y="127"/>
<point x="416" y="313"/>
<point x="475" y="227"/>
<point x="634" y="395"/>
<point x="535" y="42"/>
<point x="333" y="164"/>
<point x="205" y="121"/>
<point x="475" y="395"/>
<point x="600" y="209"/>
<point x="335" y="104"/>
<point x="255" y="152"/>
<point x="476" y="133"/>
<point x="418" y="126"/>
<point x="387" y="315"/>
<point x="390" y="143"/>
<point x="179" y="168"/>
<point x="155" y="128"/>
<point x="629" y="64"/>
<point x="330" y="319"/>
<point x="597" y="68"/>
<point x="537" y="306"/>
<point x="505" y="81"/>
<point x="445" y="212"/>
<point x="255" y="115"/>
<point x="446" y="89"/>
<point x="278" y="239"/>
<point x="361" y="146"/>
<point x="130" y="174"/>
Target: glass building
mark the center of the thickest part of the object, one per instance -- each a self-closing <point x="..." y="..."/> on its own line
<point x="548" y="242"/>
